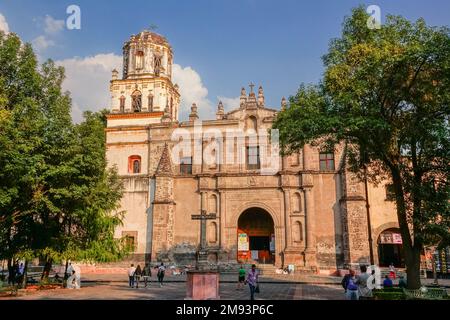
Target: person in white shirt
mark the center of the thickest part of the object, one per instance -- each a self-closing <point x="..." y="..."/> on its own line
<point x="161" y="272"/>
<point x="131" y="272"/>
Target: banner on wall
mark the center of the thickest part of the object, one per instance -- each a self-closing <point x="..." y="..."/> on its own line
<point x="391" y="238"/>
<point x="243" y="243"/>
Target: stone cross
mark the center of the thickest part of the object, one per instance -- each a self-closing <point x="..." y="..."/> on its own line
<point x="202" y="253"/>
<point x="203" y="217"/>
<point x="251" y="85"/>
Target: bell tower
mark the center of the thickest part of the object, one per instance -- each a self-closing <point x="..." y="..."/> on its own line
<point x="145" y="90"/>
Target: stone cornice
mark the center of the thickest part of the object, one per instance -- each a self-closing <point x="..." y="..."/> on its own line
<point x="135" y="115"/>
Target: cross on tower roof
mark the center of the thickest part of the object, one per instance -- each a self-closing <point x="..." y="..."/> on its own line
<point x="251" y="85"/>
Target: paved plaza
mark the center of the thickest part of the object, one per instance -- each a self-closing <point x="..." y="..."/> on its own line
<point x="177" y="291"/>
<point x="273" y="287"/>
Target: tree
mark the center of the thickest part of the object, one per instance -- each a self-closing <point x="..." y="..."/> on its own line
<point x="385" y="95"/>
<point x="57" y="197"/>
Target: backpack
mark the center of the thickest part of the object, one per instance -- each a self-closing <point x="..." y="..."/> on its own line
<point x="344" y="281"/>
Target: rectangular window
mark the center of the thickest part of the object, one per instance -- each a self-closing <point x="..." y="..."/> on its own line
<point x="130" y="238"/>
<point x="186" y="165"/>
<point x="326" y="161"/>
<point x="253" y="161"/>
<point x="390" y="192"/>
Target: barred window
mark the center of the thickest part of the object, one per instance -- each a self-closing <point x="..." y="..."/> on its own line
<point x="253" y="161"/>
<point x="326" y="161"/>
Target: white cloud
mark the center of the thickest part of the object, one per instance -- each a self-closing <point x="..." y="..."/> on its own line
<point x="87" y="79"/>
<point x="41" y="43"/>
<point x="53" y="26"/>
<point x="3" y="24"/>
<point x="192" y="90"/>
<point x="230" y="103"/>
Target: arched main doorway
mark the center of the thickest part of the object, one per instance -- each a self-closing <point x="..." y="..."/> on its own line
<point x="256" y="237"/>
<point x="390" y="248"/>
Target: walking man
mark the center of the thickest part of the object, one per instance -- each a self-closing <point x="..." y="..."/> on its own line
<point x="131" y="271"/>
<point x="252" y="280"/>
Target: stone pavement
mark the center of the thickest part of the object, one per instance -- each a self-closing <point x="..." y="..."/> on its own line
<point x="177" y="291"/>
<point x="224" y="278"/>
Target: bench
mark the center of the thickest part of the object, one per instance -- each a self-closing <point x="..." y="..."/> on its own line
<point x="426" y="293"/>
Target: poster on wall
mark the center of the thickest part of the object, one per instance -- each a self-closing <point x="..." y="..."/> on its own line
<point x="386" y="238"/>
<point x="243" y="244"/>
<point x="397" y="238"/>
<point x="272" y="243"/>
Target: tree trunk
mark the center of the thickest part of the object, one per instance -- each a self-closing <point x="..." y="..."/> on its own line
<point x="412" y="259"/>
<point x="411" y="251"/>
<point x="66" y="276"/>
<point x="10" y="271"/>
<point x="25" y="271"/>
<point x="47" y="268"/>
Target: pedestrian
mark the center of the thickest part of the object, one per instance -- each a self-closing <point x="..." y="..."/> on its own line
<point x="131" y="271"/>
<point x="137" y="275"/>
<point x="402" y="282"/>
<point x="387" y="283"/>
<point x="252" y="280"/>
<point x="20" y="274"/>
<point x="392" y="271"/>
<point x="349" y="285"/>
<point x="161" y="272"/>
<point x="146" y="274"/>
<point x="241" y="280"/>
<point x="364" y="291"/>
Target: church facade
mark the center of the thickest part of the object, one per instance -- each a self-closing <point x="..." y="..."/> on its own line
<point x="308" y="210"/>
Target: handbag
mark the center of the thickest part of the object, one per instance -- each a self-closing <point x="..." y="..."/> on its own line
<point x="257" y="288"/>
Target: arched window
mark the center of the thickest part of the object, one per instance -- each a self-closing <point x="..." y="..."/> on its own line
<point x="252" y="123"/>
<point x="139" y="60"/>
<point x="122" y="104"/>
<point x="157" y="65"/>
<point x="134" y="164"/>
<point x="136" y="99"/>
<point x="297" y="205"/>
<point x="297" y="232"/>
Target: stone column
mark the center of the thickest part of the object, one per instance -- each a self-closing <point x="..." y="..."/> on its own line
<point x="310" y="252"/>
<point x="287" y="209"/>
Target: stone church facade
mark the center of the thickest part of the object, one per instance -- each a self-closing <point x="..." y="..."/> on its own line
<point x="311" y="212"/>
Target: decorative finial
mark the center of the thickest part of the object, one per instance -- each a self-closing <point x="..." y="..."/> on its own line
<point x="261" y="96"/>
<point x="115" y="74"/>
<point x="243" y="98"/>
<point x="220" y="111"/>
<point x="193" y="116"/>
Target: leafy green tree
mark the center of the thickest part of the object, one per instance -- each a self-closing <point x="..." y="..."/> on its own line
<point x="385" y="95"/>
<point x="57" y="197"/>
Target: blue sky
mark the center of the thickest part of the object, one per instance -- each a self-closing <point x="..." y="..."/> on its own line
<point x="226" y="44"/>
